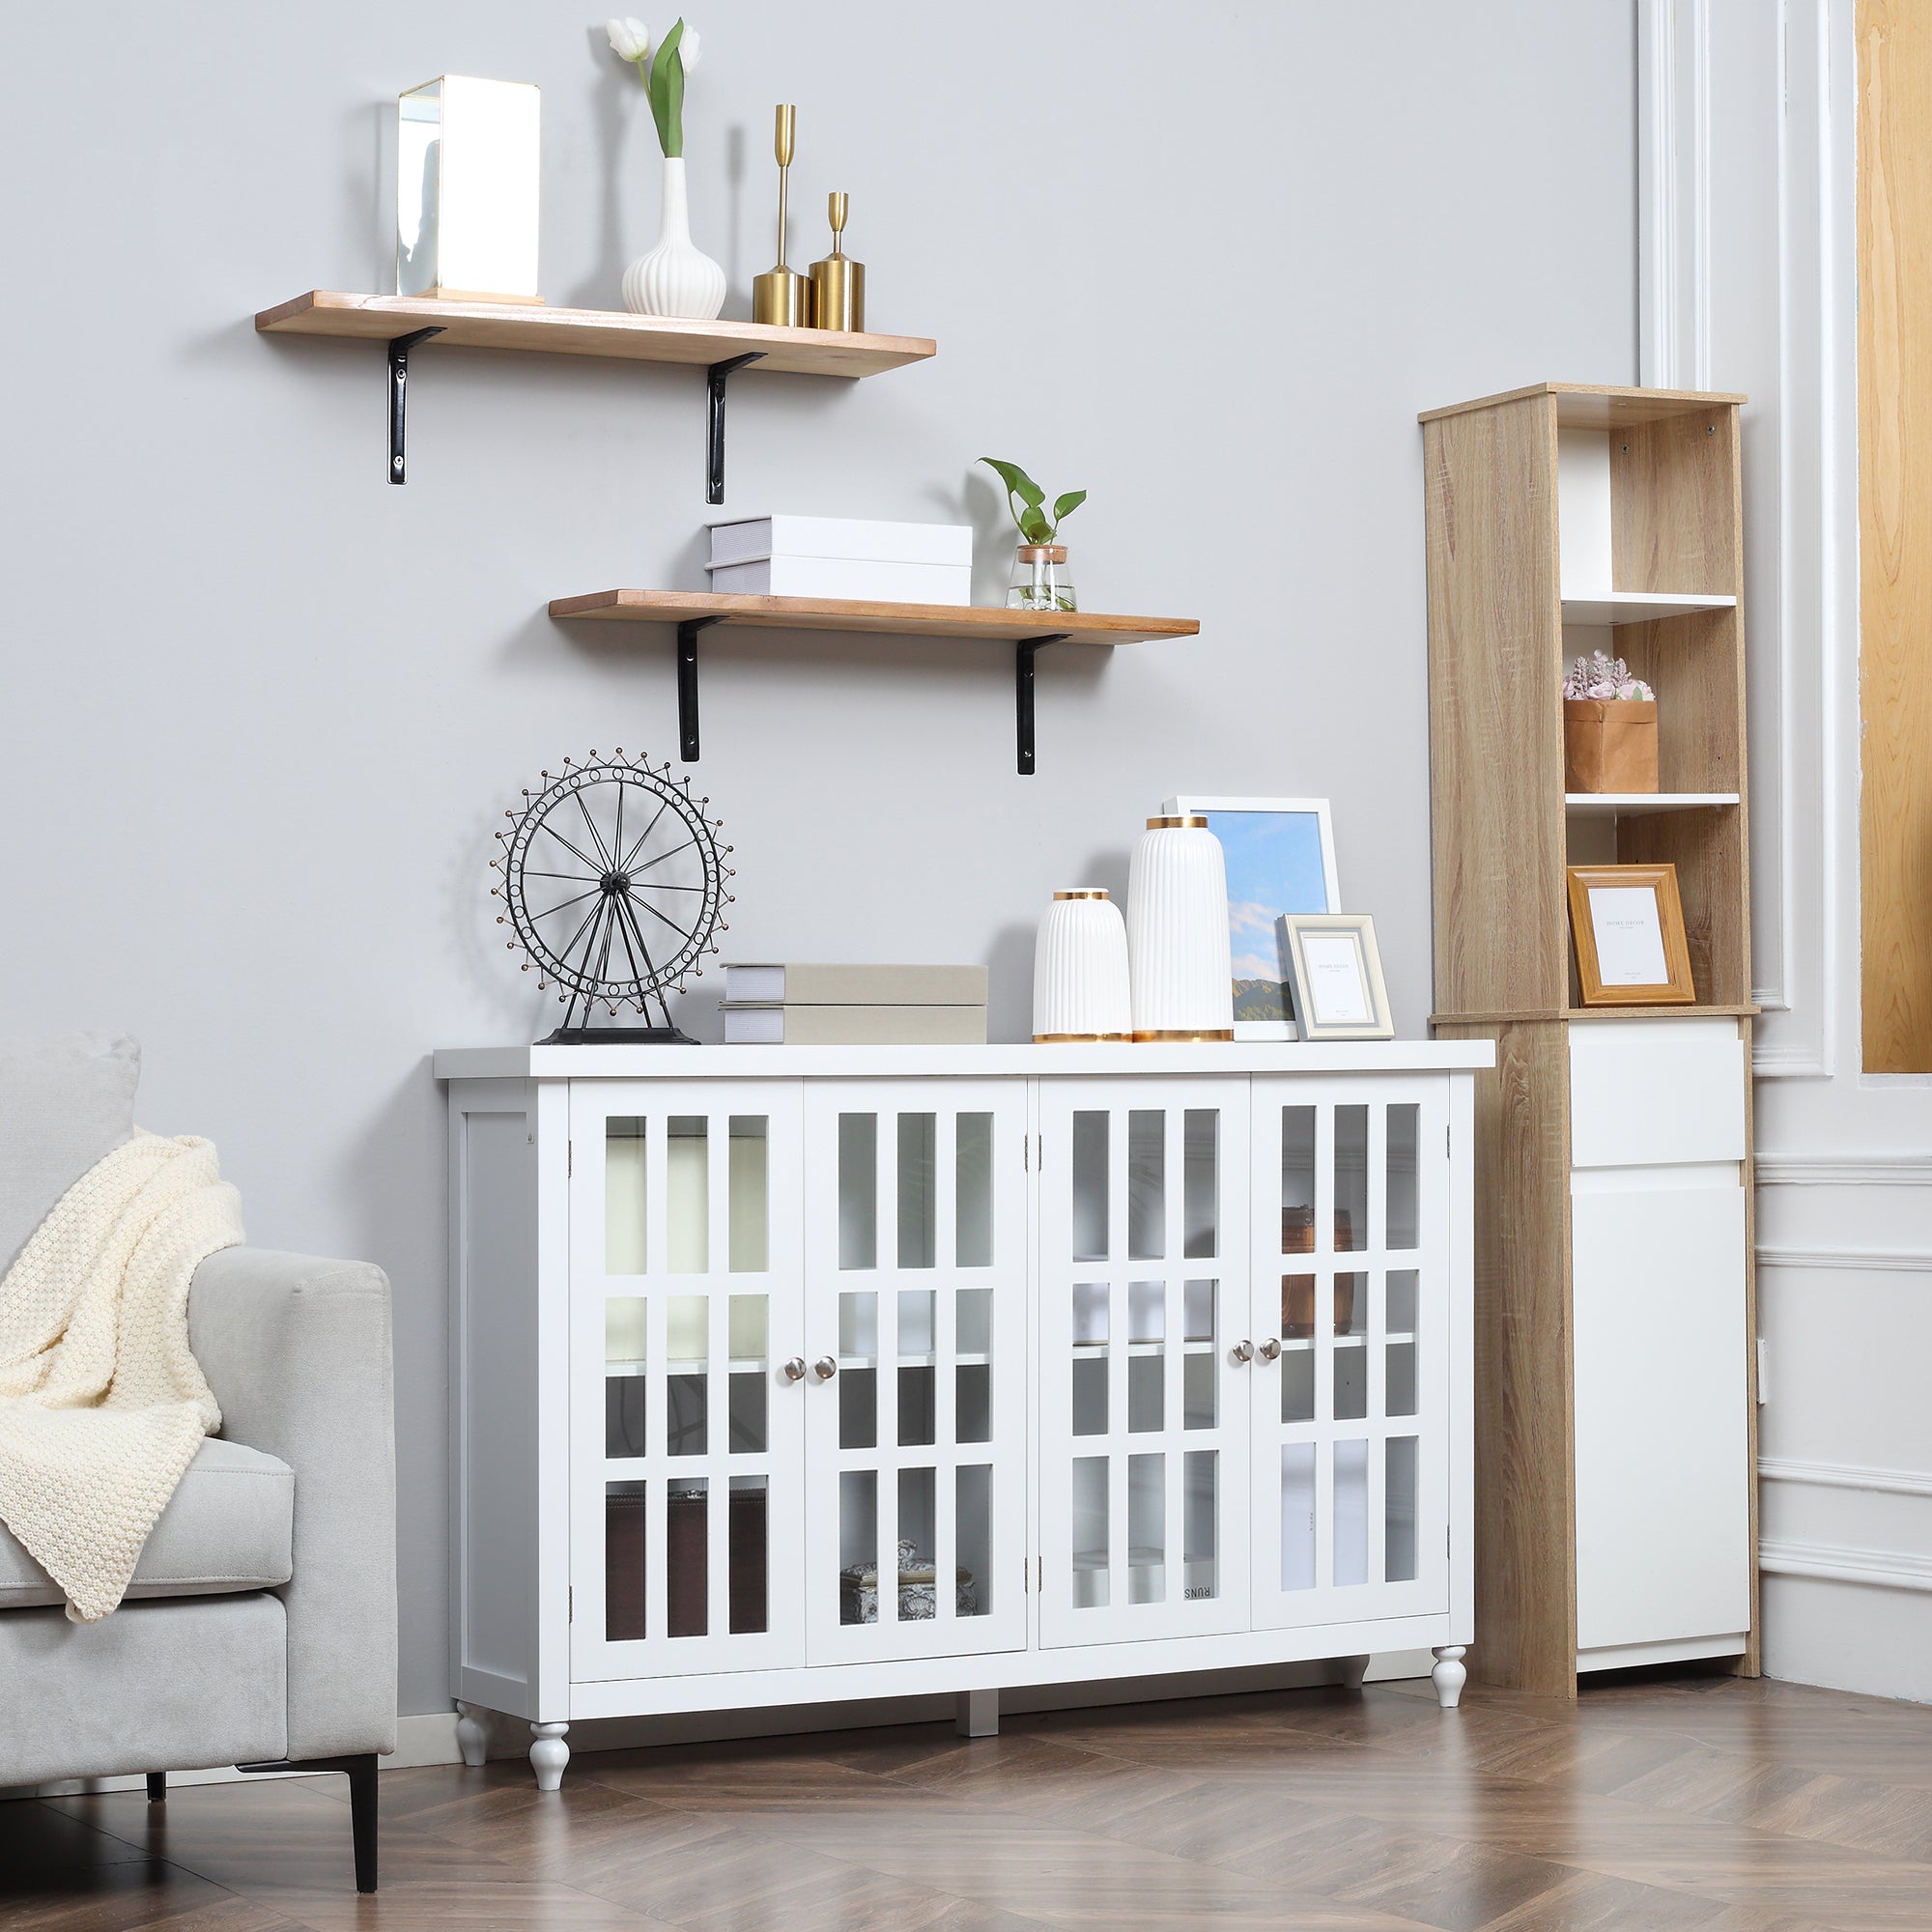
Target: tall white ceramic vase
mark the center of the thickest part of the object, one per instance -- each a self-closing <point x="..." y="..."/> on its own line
<point x="675" y="278"/>
<point x="1178" y="953"/>
<point x="1080" y="986"/>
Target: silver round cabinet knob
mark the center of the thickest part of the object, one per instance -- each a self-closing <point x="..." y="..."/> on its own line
<point x="825" y="1368"/>
<point x="1244" y="1351"/>
<point x="794" y="1370"/>
<point x="1270" y="1348"/>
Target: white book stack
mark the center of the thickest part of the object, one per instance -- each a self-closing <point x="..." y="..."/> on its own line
<point x="812" y="1005"/>
<point x="844" y="557"/>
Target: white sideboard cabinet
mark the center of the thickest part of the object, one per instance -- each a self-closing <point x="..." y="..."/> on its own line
<point x="785" y="1375"/>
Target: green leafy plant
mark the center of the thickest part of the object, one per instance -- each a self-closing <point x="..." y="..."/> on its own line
<point x="663" y="77"/>
<point x="1027" y="500"/>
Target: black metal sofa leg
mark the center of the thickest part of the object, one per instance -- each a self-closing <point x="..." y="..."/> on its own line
<point x="362" y="1772"/>
<point x="362" y="1818"/>
<point x="158" y="1788"/>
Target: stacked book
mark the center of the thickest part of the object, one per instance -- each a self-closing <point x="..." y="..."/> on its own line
<point x="844" y="556"/>
<point x="854" y="1005"/>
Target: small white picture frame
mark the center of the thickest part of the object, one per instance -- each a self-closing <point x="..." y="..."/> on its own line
<point x="1336" y="971"/>
<point x="1280" y="854"/>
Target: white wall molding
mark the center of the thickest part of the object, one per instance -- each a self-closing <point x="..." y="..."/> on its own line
<point x="1673" y="186"/>
<point x="1858" y="1261"/>
<point x="1842" y="1563"/>
<point x="1845" y="1476"/>
<point x="1804" y="1170"/>
<point x="1677" y="217"/>
<point x="1812" y="502"/>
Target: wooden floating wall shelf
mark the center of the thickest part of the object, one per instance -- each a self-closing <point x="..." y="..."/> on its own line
<point x="717" y="348"/>
<point x="693" y="612"/>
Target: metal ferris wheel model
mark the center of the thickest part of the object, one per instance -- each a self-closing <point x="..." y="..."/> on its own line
<point x="614" y="883"/>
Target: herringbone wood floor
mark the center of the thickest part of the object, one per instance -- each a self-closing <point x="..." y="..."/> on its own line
<point x="1691" y="1804"/>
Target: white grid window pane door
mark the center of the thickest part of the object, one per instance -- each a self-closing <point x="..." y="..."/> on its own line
<point x="1143" y="1383"/>
<point x="1350" y="1320"/>
<point x="916" y="1276"/>
<point x="687" y="1299"/>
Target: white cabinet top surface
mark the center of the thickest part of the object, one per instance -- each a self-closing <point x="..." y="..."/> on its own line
<point x="777" y="1062"/>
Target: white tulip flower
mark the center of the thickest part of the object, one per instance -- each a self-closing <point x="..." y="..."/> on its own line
<point x="629" y="40"/>
<point x="687" y="50"/>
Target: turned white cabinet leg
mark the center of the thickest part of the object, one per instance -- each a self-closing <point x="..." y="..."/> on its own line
<point x="1350" y="1670"/>
<point x="470" y="1738"/>
<point x="978" y="1715"/>
<point x="1449" y="1675"/>
<point x="549" y="1754"/>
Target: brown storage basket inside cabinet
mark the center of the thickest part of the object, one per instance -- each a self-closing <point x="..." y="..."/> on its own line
<point x="624" y="1566"/>
<point x="1609" y="744"/>
<point x="1298" y="1237"/>
<point x="687" y="1563"/>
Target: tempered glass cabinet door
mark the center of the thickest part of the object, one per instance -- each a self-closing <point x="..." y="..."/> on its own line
<point x="1145" y="1358"/>
<point x="1350" y="1325"/>
<point x="687" y="1301"/>
<point x="915" y="1401"/>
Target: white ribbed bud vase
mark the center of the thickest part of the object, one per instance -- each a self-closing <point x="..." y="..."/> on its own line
<point x="675" y="278"/>
<point x="1177" y="956"/>
<point x="1080" y="970"/>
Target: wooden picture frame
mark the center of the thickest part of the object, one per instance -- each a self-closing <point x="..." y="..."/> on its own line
<point x="1619" y="965"/>
<point x="1339" y="992"/>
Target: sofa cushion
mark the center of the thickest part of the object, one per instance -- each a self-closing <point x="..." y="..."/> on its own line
<point x="64" y="1103"/>
<point x="198" y="1682"/>
<point x="229" y="1526"/>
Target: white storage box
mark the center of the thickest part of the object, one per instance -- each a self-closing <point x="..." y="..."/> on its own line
<point x="844" y="556"/>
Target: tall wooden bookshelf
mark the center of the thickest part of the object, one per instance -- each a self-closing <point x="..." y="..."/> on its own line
<point x="1616" y="1401"/>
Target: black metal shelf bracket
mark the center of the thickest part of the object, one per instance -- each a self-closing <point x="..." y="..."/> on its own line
<point x="687" y="685"/>
<point x="1023" y="655"/>
<point x="714" y="430"/>
<point x="399" y="393"/>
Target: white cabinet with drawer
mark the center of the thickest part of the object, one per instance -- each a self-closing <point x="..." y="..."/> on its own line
<point x="787" y="1375"/>
<point x="1659" y="1284"/>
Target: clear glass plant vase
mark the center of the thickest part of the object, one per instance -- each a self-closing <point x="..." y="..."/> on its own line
<point x="1040" y="581"/>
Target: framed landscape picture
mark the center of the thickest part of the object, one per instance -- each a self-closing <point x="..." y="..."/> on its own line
<point x="1281" y="859"/>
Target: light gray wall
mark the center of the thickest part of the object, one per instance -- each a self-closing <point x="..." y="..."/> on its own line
<point x="262" y="710"/>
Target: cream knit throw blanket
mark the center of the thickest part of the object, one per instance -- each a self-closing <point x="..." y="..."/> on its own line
<point x="102" y="1406"/>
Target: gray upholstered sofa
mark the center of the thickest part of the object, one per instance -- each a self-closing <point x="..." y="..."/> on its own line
<point x="261" y="1627"/>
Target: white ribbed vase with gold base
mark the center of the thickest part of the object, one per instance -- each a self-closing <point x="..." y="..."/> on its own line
<point x="1080" y="985"/>
<point x="1177" y="955"/>
<point x="676" y="277"/>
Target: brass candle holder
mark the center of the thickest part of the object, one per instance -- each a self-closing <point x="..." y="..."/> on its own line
<point x="837" y="282"/>
<point x="781" y="294"/>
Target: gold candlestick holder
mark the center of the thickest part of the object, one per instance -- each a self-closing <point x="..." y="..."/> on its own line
<point x="837" y="282"/>
<point x="781" y="294"/>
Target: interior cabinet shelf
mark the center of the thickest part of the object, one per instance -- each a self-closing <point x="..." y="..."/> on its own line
<point x="719" y="348"/>
<point x="696" y="611"/>
<point x="1633" y="803"/>
<point x="1640" y="607"/>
